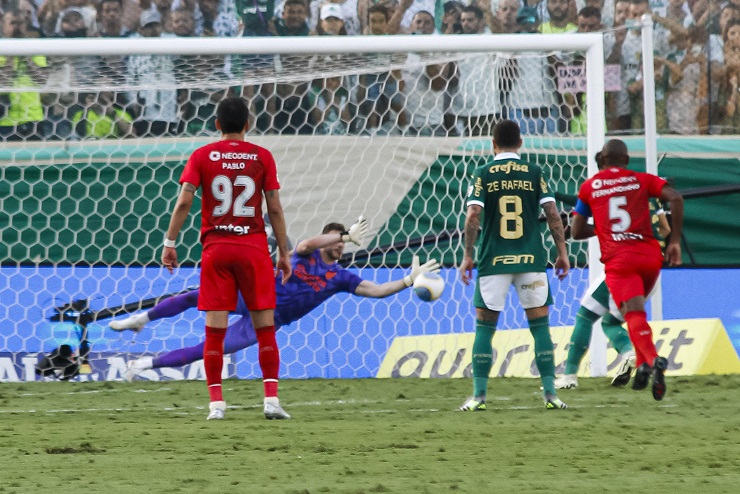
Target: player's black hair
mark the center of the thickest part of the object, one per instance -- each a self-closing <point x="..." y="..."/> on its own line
<point x="233" y="114"/>
<point x="506" y="134"/>
<point x="333" y="227"/>
<point x="615" y="153"/>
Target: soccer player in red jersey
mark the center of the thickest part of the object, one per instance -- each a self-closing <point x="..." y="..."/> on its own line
<point x="234" y="175"/>
<point x="617" y="198"/>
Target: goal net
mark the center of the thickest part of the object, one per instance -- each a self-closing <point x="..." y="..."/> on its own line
<point x="388" y="127"/>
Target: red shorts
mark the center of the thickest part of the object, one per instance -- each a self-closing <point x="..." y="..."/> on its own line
<point x="230" y="268"/>
<point x="631" y="274"/>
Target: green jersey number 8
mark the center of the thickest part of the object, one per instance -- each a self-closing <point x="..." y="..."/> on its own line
<point x="511" y="216"/>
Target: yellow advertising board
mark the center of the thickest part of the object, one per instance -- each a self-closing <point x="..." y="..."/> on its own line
<point x="692" y="347"/>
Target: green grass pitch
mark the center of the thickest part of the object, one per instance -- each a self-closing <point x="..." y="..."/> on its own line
<point x="369" y="436"/>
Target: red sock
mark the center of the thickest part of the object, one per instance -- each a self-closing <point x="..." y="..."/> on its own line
<point x="269" y="357"/>
<point x="641" y="336"/>
<point x="213" y="360"/>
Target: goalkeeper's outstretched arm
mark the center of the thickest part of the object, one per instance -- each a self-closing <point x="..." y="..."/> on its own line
<point x="374" y="290"/>
<point x="355" y="234"/>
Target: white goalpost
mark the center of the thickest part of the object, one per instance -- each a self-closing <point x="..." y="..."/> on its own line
<point x="84" y="215"/>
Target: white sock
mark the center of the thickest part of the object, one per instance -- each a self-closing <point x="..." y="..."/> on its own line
<point x="144" y="363"/>
<point x="141" y="318"/>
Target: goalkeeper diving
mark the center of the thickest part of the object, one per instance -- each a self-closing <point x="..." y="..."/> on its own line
<point x="316" y="277"/>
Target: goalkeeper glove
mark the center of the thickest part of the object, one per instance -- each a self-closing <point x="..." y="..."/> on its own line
<point x="355" y="232"/>
<point x="431" y="266"/>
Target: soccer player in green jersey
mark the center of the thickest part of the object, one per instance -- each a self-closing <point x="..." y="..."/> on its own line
<point x="511" y="252"/>
<point x="597" y="303"/>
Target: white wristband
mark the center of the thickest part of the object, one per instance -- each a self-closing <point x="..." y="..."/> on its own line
<point x="407" y="280"/>
<point x="169" y="243"/>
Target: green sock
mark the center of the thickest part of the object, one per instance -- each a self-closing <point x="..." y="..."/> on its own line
<point x="543" y="353"/>
<point x="482" y="356"/>
<point x="616" y="333"/>
<point x="580" y="339"/>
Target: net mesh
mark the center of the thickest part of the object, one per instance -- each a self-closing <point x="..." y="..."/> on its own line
<point x="89" y="183"/>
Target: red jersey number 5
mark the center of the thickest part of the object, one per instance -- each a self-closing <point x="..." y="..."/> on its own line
<point x="223" y="191"/>
<point x="620" y="219"/>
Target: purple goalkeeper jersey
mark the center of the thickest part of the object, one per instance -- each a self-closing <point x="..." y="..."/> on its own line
<point x="312" y="282"/>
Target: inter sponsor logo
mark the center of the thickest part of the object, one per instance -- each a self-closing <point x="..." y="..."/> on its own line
<point x="626" y="236"/>
<point x="235" y="229"/>
<point x="514" y="259"/>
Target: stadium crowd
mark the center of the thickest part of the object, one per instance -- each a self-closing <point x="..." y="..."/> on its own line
<point x="697" y="68"/>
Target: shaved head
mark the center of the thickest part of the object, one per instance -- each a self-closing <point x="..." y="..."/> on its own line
<point x="615" y="153"/>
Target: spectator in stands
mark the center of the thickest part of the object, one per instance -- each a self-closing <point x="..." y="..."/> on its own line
<point x="631" y="69"/>
<point x="65" y="74"/>
<point x="51" y="21"/>
<point x="391" y="6"/>
<point x="256" y="17"/>
<point x="541" y="7"/>
<point x="330" y="106"/>
<point x="605" y="7"/>
<point x="289" y="105"/>
<point x="706" y="13"/>
<point x="526" y="21"/>
<point x="685" y="82"/>
<point x="558" y="23"/>
<point x="729" y="97"/>
<point x="331" y="21"/>
<point x="425" y="86"/>
<point x="110" y="25"/>
<point x="526" y="84"/>
<point x="507" y="16"/>
<point x="617" y="102"/>
<point x="450" y="22"/>
<point x="196" y="97"/>
<point x="475" y="103"/>
<point x="101" y="118"/>
<point x="155" y="102"/>
<point x="676" y="18"/>
<point x="110" y="19"/>
<point x="406" y="11"/>
<point x="205" y="24"/>
<point x="165" y="9"/>
<point x="349" y="14"/>
<point x="589" y="21"/>
<point x="28" y="9"/>
<point x="216" y="18"/>
<point x="729" y="13"/>
<point x="380" y="95"/>
<point x="21" y="112"/>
